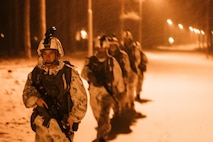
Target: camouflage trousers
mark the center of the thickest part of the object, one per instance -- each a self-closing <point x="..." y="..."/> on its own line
<point x="51" y="134"/>
<point x="131" y="89"/>
<point x="139" y="83"/>
<point x="101" y="103"/>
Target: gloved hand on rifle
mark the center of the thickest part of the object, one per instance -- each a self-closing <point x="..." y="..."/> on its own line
<point x="41" y="103"/>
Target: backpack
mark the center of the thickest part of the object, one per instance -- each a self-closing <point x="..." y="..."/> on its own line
<point x="143" y="59"/>
<point x="143" y="62"/>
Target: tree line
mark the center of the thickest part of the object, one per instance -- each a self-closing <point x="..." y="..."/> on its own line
<point x="24" y="22"/>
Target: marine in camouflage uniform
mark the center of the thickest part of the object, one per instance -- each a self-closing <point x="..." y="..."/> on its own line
<point x="141" y="69"/>
<point x="136" y="76"/>
<point x="104" y="76"/>
<point x="123" y="60"/>
<point x="51" y="72"/>
<point x="134" y="58"/>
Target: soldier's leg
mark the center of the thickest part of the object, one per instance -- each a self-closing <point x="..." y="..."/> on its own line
<point x="104" y="125"/>
<point x="122" y="102"/>
<point x="42" y="134"/>
<point x="139" y="86"/>
<point x="56" y="134"/>
<point x="131" y="88"/>
<point x="95" y="105"/>
<point x="50" y="134"/>
<point x="131" y="92"/>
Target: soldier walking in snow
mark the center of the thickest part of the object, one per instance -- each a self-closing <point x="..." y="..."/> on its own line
<point x="134" y="53"/>
<point x="104" y="76"/>
<point x="55" y="90"/>
<point x="123" y="60"/>
<point x="141" y="69"/>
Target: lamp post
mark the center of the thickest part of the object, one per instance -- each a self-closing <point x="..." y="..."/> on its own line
<point x="140" y="21"/>
<point x="121" y="18"/>
<point x="90" y="29"/>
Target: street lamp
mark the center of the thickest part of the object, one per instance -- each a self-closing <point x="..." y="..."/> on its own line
<point x="90" y="29"/>
<point x="169" y="21"/>
<point x="132" y="15"/>
<point x="171" y="40"/>
<point x="83" y="34"/>
<point x="140" y="21"/>
<point x="180" y="26"/>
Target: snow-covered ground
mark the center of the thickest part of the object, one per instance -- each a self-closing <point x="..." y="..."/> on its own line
<point x="178" y="87"/>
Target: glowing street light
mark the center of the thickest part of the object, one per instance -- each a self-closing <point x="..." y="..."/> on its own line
<point x="169" y="21"/>
<point x="191" y="28"/>
<point x="1" y="35"/>
<point x="180" y="26"/>
<point x="83" y="34"/>
<point x="202" y="32"/>
<point x="171" y="40"/>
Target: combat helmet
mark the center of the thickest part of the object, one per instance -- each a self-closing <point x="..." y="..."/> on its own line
<point x="50" y="43"/>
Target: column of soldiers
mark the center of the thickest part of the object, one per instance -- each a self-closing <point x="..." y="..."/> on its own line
<point x="56" y="93"/>
<point x="115" y="76"/>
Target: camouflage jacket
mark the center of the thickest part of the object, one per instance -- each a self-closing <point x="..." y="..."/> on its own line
<point x="77" y="91"/>
<point x="117" y="79"/>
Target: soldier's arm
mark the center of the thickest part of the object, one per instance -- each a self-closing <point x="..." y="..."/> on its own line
<point x="85" y="70"/>
<point x="118" y="79"/>
<point x="30" y="94"/>
<point x="126" y="62"/>
<point x="79" y="98"/>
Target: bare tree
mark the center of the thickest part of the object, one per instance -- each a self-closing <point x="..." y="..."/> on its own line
<point x="208" y="27"/>
<point x="42" y="18"/>
<point x="27" y="42"/>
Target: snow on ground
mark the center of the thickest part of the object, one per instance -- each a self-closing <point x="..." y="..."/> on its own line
<point x="14" y="117"/>
<point x="178" y="88"/>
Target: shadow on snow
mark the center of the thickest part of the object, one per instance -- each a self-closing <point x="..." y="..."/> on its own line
<point x="121" y="124"/>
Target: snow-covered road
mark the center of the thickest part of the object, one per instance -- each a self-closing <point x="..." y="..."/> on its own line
<point x="178" y="87"/>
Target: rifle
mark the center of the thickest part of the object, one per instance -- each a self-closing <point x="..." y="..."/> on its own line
<point x="56" y="111"/>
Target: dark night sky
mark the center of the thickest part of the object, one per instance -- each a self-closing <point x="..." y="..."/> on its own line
<point x="189" y="10"/>
<point x="184" y="11"/>
<point x="106" y="13"/>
